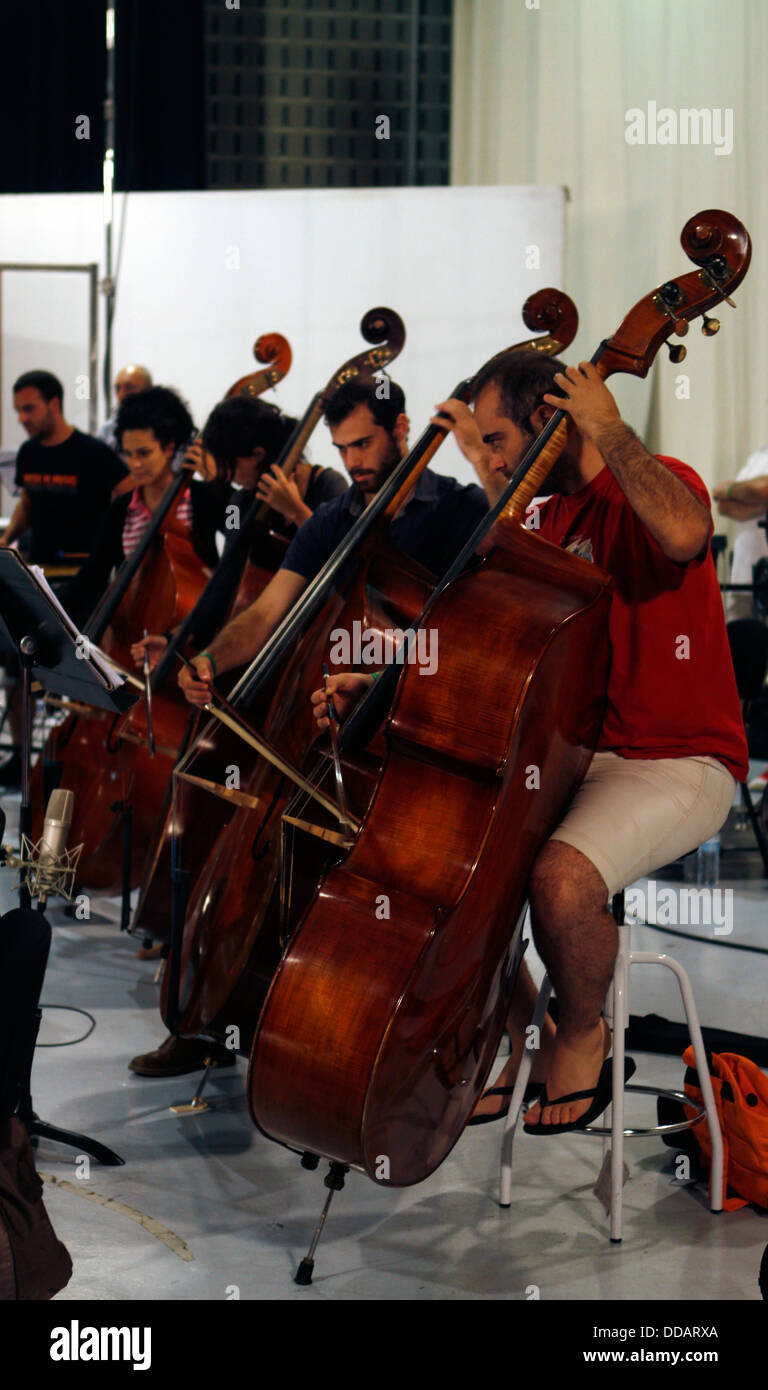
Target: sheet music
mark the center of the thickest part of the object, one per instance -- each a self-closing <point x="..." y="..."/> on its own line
<point x="105" y="668"/>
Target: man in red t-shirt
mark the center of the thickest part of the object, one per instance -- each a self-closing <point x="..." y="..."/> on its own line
<point x="672" y="740"/>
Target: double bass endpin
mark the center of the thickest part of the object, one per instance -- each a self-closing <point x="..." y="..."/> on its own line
<point x="334" y="1181"/>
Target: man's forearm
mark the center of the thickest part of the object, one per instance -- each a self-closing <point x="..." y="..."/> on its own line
<point x="19" y="522"/>
<point x="750" y="494"/>
<point x="240" y="640"/>
<point x="665" y="505"/>
<point x="740" y="511"/>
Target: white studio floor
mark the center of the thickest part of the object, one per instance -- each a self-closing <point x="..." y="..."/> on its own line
<point x="205" y="1208"/>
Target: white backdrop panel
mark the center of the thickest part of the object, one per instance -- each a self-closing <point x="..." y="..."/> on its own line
<point x="45" y="323"/>
<point x="202" y="275"/>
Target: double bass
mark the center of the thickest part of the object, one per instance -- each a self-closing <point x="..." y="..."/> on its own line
<point x="192" y="814"/>
<point x="112" y="776"/>
<point x="231" y="939"/>
<point x="379" y="1029"/>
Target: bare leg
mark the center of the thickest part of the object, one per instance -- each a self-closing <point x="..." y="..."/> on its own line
<point x="520" y="1014"/>
<point x="576" y="938"/>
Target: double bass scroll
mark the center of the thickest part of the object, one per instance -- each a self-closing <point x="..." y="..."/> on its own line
<point x="273" y="349"/>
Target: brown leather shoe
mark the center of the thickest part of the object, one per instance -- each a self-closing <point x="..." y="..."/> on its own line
<point x="151" y="952"/>
<point x="177" y="1056"/>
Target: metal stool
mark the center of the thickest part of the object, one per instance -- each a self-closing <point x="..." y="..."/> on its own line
<point x="614" y="1133"/>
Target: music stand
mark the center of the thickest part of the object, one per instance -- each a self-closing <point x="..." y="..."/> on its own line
<point x="51" y="651"/>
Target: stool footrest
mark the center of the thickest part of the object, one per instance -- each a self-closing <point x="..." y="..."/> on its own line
<point x="602" y="1132"/>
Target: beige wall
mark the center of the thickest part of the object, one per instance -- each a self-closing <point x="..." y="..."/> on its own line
<point x="540" y="96"/>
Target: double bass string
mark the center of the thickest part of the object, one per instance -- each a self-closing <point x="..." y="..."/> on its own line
<point x="231" y="717"/>
<point x="333" y="729"/>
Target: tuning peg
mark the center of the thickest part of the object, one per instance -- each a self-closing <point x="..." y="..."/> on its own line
<point x="681" y="327"/>
<point x="710" y="327"/>
<point x="677" y="352"/>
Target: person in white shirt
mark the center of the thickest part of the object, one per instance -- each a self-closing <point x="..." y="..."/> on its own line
<point x="745" y="500"/>
<point x="128" y="381"/>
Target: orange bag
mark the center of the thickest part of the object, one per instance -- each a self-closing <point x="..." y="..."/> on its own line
<point x="741" y="1096"/>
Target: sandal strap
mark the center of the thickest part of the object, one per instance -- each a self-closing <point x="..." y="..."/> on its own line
<point x="565" y="1100"/>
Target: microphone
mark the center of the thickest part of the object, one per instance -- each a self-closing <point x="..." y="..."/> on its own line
<point x="52" y="844"/>
<point x="47" y="866"/>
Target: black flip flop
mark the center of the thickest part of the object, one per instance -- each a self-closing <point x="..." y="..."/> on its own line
<point x="600" y="1096"/>
<point x="530" y="1094"/>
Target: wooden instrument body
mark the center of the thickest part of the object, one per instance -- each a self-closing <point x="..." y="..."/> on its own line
<point x="153" y="911"/>
<point x="106" y="768"/>
<point x="105" y="761"/>
<point x="396" y="1019"/>
<point x="166" y="585"/>
<point x="254" y="580"/>
<point x="152" y="916"/>
<point x="232" y="901"/>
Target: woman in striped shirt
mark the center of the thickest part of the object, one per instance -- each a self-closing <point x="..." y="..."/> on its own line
<point x="151" y="427"/>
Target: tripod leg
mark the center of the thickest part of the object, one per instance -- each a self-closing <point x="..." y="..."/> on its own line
<point x="196" y="1104"/>
<point x="39" y="1129"/>
<point x="75" y="1141"/>
<point x="24" y="944"/>
<point x="334" y="1181"/>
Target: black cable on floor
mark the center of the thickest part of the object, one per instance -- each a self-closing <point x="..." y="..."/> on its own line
<point x="72" y="1009"/>
<point x="689" y="936"/>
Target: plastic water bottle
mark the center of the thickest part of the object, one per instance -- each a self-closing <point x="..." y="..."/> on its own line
<point x="708" y="862"/>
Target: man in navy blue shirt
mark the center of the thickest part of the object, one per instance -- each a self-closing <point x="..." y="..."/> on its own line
<point x="371" y="437"/>
<point x="439" y="516"/>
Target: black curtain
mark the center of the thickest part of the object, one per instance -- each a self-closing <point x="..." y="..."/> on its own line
<point x="53" y="70"/>
<point x="160" y="88"/>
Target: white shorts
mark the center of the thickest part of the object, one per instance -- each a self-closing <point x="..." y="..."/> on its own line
<point x="631" y="815"/>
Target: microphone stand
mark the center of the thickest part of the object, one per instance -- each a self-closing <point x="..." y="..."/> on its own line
<point x="36" y="1128"/>
<point x="27" y="654"/>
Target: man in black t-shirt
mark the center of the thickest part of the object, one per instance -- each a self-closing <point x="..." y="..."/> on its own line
<point x="370" y="432"/>
<point x="65" y="477"/>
